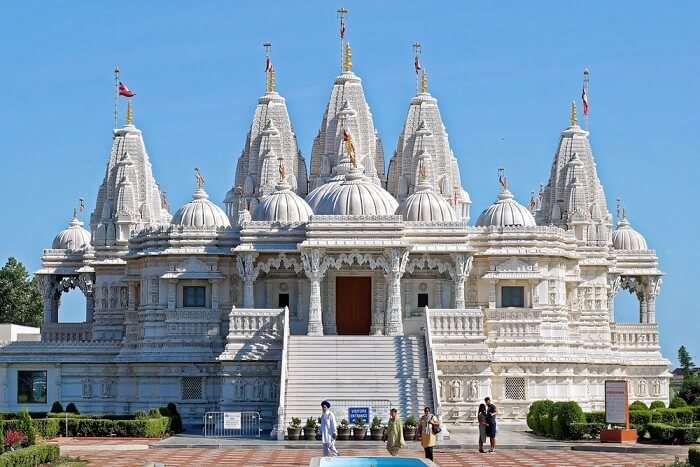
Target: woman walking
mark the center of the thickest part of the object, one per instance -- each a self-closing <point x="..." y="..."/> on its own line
<point x="394" y="433"/>
<point x="483" y="426"/>
<point x="428" y="427"/>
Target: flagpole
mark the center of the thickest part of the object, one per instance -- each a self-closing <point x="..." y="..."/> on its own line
<point x="586" y="77"/>
<point x="416" y="51"/>
<point x="268" y="80"/>
<point x="116" y="95"/>
<point x="341" y="16"/>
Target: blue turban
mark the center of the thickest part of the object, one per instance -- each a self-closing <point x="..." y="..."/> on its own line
<point x="326" y="404"/>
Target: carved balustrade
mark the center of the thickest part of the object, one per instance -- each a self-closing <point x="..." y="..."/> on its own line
<point x="634" y="336"/>
<point x="449" y="322"/>
<point x="66" y="332"/>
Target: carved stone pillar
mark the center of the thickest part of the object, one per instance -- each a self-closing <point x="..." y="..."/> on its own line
<point x="132" y="295"/>
<point x="314" y="271"/>
<point x="47" y="289"/>
<point x="462" y="267"/>
<point x="613" y="287"/>
<point x="396" y="266"/>
<point x="643" y="309"/>
<point x="86" y="283"/>
<point x="245" y="265"/>
<point x="652" y="289"/>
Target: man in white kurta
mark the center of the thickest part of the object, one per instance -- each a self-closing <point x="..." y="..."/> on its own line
<point x="329" y="430"/>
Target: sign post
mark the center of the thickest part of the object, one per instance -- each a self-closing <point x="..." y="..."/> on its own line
<point x="358" y="412"/>
<point x="617" y="412"/>
<point x="232" y="420"/>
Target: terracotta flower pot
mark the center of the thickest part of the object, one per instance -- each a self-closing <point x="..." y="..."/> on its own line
<point x="293" y="433"/>
<point x="343" y="434"/>
<point x="377" y="434"/>
<point x="309" y="434"/>
<point x="359" y="433"/>
<point x="409" y="433"/>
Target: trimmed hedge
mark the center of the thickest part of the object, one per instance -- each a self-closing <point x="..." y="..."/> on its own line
<point x="595" y="417"/>
<point x="563" y="415"/>
<point x="586" y="430"/>
<point x="30" y="456"/>
<point x="47" y="427"/>
<point x="674" y="434"/>
<point x="694" y="456"/>
<point x="638" y="405"/>
<point x="657" y="405"/>
<point x="677" y="402"/>
<point x="536" y="416"/>
<point x="155" y="427"/>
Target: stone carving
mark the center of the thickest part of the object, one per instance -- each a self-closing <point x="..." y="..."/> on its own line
<point x="642" y="388"/>
<point x="245" y="266"/>
<point x="462" y="266"/>
<point x="456" y="390"/>
<point x="516" y="265"/>
<point x="396" y="263"/>
<point x="281" y="261"/>
<point x="473" y="389"/>
<point x="154" y="291"/>
<point x="656" y="387"/>
<point x="87" y="388"/>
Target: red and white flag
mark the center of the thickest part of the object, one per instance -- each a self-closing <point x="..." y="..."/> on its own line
<point x="342" y="29"/>
<point x="268" y="65"/>
<point x="584" y="99"/>
<point x="124" y="91"/>
<point x="416" y="64"/>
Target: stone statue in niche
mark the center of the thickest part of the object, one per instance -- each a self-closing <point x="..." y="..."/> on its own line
<point x="656" y="387"/>
<point x="473" y="389"/>
<point x="642" y="388"/>
<point x="441" y="388"/>
<point x="123" y="297"/>
<point x="113" y="297"/>
<point x="105" y="296"/>
<point x="456" y="390"/>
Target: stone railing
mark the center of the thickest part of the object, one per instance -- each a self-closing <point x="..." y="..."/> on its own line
<point x="278" y="432"/>
<point x="461" y="323"/>
<point x="66" y="332"/>
<point x="246" y="322"/>
<point x="255" y="333"/>
<point x="634" y="336"/>
<point x="509" y="323"/>
<point x="432" y="361"/>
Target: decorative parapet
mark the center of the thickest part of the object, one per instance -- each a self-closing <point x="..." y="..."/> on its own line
<point x="467" y="324"/>
<point x="254" y="333"/>
<point x="66" y="332"/>
<point x="634" y="336"/>
<point x="508" y="323"/>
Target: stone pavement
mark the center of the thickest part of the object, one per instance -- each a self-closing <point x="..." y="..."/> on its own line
<point x="139" y="452"/>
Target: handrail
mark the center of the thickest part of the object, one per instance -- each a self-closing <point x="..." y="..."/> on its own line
<point x="432" y="365"/>
<point x="281" y="419"/>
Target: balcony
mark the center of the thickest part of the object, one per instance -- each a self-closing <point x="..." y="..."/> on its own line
<point x="457" y="323"/>
<point x="634" y="336"/>
<point x="70" y="333"/>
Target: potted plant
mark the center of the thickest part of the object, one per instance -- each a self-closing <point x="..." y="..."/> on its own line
<point x="359" y="430"/>
<point x="294" y="429"/>
<point x="409" y="428"/>
<point x="377" y="430"/>
<point x="318" y="429"/>
<point x="344" y="430"/>
<point x="310" y="429"/>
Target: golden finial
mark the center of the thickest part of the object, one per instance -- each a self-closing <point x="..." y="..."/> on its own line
<point x="129" y="113"/>
<point x="271" y="81"/>
<point x="424" y="82"/>
<point x="198" y="178"/>
<point x="282" y="171"/>
<point x="572" y="118"/>
<point x="347" y="58"/>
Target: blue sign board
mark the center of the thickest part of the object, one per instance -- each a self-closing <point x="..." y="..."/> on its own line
<point x="356" y="412"/>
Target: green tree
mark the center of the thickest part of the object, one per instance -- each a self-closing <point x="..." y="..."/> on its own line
<point x="20" y="301"/>
<point x="685" y="360"/>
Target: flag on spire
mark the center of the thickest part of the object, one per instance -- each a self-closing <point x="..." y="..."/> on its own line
<point x="342" y="28"/>
<point x="82" y="204"/>
<point x="584" y="100"/>
<point x="416" y="64"/>
<point x="268" y="65"/>
<point x="124" y="91"/>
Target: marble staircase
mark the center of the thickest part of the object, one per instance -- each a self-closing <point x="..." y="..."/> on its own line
<point x="356" y="368"/>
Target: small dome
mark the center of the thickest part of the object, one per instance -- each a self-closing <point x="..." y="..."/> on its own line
<point x="75" y="237"/>
<point x="283" y="206"/>
<point x="200" y="212"/>
<point x="426" y="206"/>
<point x="356" y="196"/>
<point x="506" y="212"/>
<point x="628" y="239"/>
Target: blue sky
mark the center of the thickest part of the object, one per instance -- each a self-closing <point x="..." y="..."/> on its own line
<point x="504" y="73"/>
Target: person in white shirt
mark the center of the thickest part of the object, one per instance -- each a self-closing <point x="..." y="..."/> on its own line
<point x="329" y="430"/>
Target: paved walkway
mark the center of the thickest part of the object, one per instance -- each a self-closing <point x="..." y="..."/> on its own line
<point x="110" y="452"/>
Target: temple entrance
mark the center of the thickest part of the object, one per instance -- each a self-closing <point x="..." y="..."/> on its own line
<point x="353" y="305"/>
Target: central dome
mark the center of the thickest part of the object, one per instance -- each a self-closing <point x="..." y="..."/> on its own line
<point x="356" y="196"/>
<point x="626" y="238"/>
<point x="75" y="237"/>
<point x="506" y="212"/>
<point x="283" y="206"/>
<point x="200" y="212"/>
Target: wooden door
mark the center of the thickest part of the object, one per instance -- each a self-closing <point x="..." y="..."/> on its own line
<point x="353" y="305"/>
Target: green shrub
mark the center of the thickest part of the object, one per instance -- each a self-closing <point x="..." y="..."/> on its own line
<point x="154" y="413"/>
<point x="638" y="405"/>
<point x="665" y="433"/>
<point x="694" y="456"/>
<point x="595" y="417"/>
<point x="26" y="426"/>
<point x="71" y="408"/>
<point x="657" y="405"/>
<point x="411" y="422"/>
<point x="31" y="456"/>
<point x="175" y="419"/>
<point x="535" y="415"/>
<point x="677" y="402"/>
<point x="546" y="423"/>
<point x="56" y="407"/>
<point x="586" y="430"/>
<point x="140" y="415"/>
<point x="684" y="415"/>
<point x="47" y="427"/>
<point x="563" y="415"/>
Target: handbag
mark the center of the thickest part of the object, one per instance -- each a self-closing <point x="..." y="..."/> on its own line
<point x="436" y="429"/>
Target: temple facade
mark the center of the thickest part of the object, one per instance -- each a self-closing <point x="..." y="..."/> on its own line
<point x="342" y="281"/>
